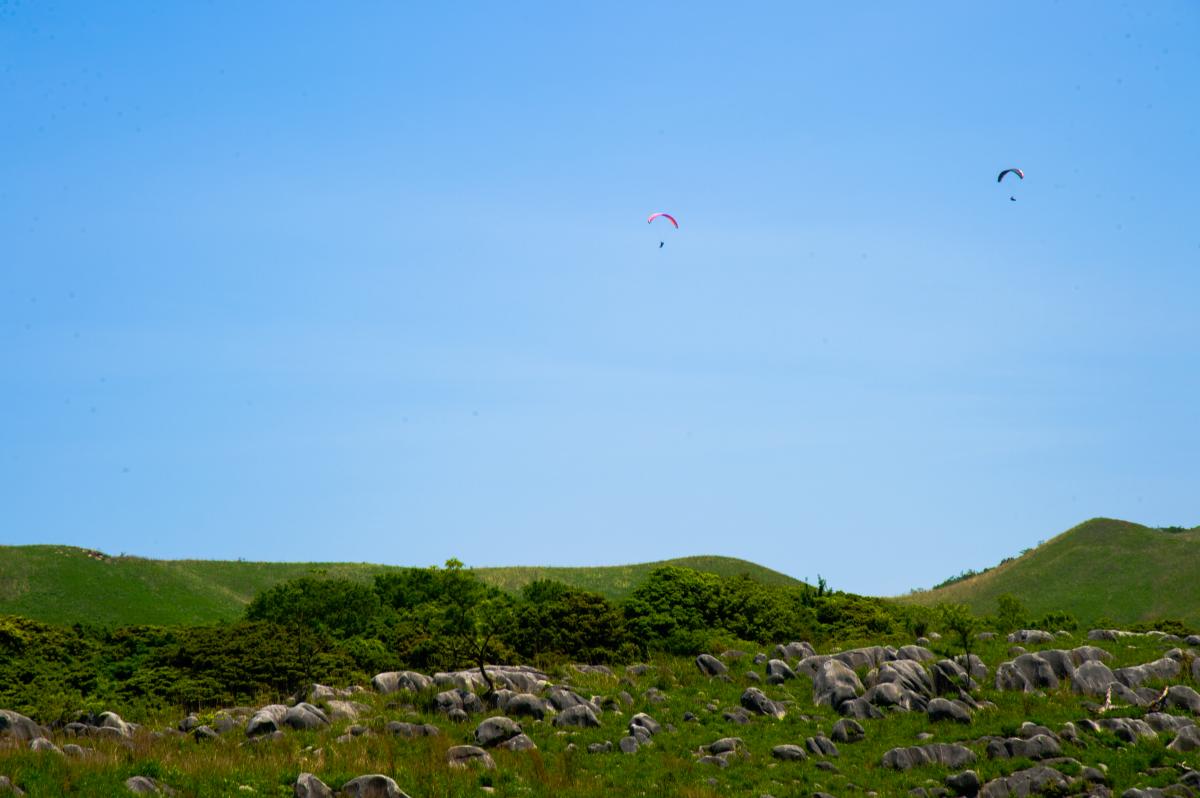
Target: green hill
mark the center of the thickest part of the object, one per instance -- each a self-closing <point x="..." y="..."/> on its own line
<point x="64" y="584"/>
<point x="1101" y="569"/>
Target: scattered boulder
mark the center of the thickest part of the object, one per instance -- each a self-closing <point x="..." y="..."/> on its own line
<point x="643" y="721"/>
<point x="1092" y="678"/>
<point x="309" y="786"/>
<point x="1137" y="675"/>
<point x="859" y="708"/>
<point x="305" y="716"/>
<point x="779" y="672"/>
<point x="144" y="785"/>
<point x="725" y="745"/>
<point x="916" y="653"/>
<point x="8" y="788"/>
<point x="41" y="744"/>
<point x="525" y="705"/>
<point x="710" y="665"/>
<point x="1082" y="654"/>
<point x="1181" y="696"/>
<point x="579" y="716"/>
<point x="266" y="720"/>
<point x="374" y="786"/>
<point x="942" y="709"/>
<point x="835" y="682"/>
<point x="628" y="745"/>
<point x="521" y="742"/>
<point x="457" y="699"/>
<point x="401" y="729"/>
<point x="949" y="677"/>
<point x="946" y="754"/>
<point x="14" y="724"/>
<point x="396" y="681"/>
<point x="966" y="783"/>
<point x="789" y="753"/>
<point x="1031" y="781"/>
<point x="1039" y="746"/>
<point x="600" y="748"/>
<point x="1031" y="636"/>
<point x="847" y="731"/>
<point x="462" y="756"/>
<point x="494" y="731"/>
<point x="795" y="650"/>
<point x="821" y="746"/>
<point x="1186" y="739"/>
<point x="756" y="701"/>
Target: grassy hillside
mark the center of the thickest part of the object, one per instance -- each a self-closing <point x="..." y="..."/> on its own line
<point x="63" y="584"/>
<point x="1102" y="568"/>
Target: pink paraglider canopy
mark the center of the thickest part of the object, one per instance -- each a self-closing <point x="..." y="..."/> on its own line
<point x="654" y="216"/>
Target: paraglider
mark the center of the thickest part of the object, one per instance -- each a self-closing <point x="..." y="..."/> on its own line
<point x="667" y="216"/>
<point x="1015" y="171"/>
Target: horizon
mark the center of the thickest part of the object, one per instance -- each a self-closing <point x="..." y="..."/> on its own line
<point x="380" y="286"/>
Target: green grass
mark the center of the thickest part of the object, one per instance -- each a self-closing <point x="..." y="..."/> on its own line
<point x="1101" y="569"/>
<point x="668" y="768"/>
<point x="63" y="584"/>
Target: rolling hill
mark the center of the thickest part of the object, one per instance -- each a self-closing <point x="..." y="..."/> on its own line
<point x="64" y="584"/>
<point x="1101" y="569"/>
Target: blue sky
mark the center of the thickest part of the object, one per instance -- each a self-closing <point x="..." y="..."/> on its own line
<point x="297" y="281"/>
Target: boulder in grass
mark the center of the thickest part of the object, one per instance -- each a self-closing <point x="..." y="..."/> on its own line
<point x="789" y="753"/>
<point x="835" y="681"/>
<point x="8" y="788"/>
<point x="266" y="720"/>
<point x="525" y="705"/>
<point x="309" y="786"/>
<point x="945" y="754"/>
<point x="1187" y="739"/>
<point x="1031" y="781"/>
<point x="144" y="785"/>
<point x="847" y="731"/>
<point x="942" y="709"/>
<point x="14" y="724"/>
<point x="779" y="672"/>
<point x="305" y="716"/>
<point x="494" y="731"/>
<point x="1040" y="746"/>
<point x="396" y="681"/>
<point x="463" y="756"/>
<point x="643" y="721"/>
<point x="375" y="785"/>
<point x="43" y="745"/>
<point x="579" y="717"/>
<point x="794" y="650"/>
<point x="710" y="665"/>
<point x="401" y="729"/>
<point x="521" y="742"/>
<point x="756" y="701"/>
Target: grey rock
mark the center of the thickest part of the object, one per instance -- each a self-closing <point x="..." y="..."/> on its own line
<point x="1181" y="696"/>
<point x="578" y="717"/>
<point x="725" y="745"/>
<point x="945" y="754"/>
<point x="266" y="720"/>
<point x="204" y="733"/>
<point x="1082" y="654"/>
<point x="821" y="746"/>
<point x="521" y="742"/>
<point x="1128" y="729"/>
<point x="950" y="677"/>
<point x="779" y="671"/>
<point x="401" y="729"/>
<point x="847" y="731"/>
<point x="718" y="761"/>
<point x="737" y="715"/>
<point x="336" y="709"/>
<point x="8" y="788"/>
<point x="1037" y="671"/>
<point x="756" y="701"/>
<point x="966" y="783"/>
<point x="395" y="681"/>
<point x="833" y="681"/>
<point x="494" y="731"/>
<point x="643" y="721"/>
<point x="1031" y="781"/>
<point x="375" y="785"/>
<point x="462" y="756"/>
<point x="942" y="709"/>
<point x="14" y="724"/>
<point x="1186" y="739"/>
<point x="710" y="665"/>
<point x="789" y="753"/>
<point x="563" y="699"/>
<point x="1037" y="747"/>
<point x="1137" y="675"/>
<point x="794" y="650"/>
<point x="43" y="745"/>
<point x="305" y="716"/>
<point x="78" y="752"/>
<point x="600" y="748"/>
<point x="859" y="708"/>
<point x="908" y="675"/>
<point x="144" y="785"/>
<point x="1092" y="678"/>
<point x="628" y="745"/>
<point x="1061" y="662"/>
<point x="916" y="653"/>
<point x="1031" y="637"/>
<point x="309" y="786"/>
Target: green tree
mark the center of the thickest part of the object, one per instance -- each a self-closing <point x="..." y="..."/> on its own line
<point x="473" y="616"/>
<point x="1010" y="613"/>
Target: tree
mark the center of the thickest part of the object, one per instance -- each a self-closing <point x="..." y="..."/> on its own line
<point x="1010" y="612"/>
<point x="473" y="616"/>
<point x="958" y="620"/>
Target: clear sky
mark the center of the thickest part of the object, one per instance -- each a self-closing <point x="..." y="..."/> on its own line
<point x="373" y="281"/>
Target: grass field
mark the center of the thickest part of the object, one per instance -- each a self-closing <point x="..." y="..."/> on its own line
<point x="1101" y="569"/>
<point x="66" y="585"/>
<point x="561" y="767"/>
